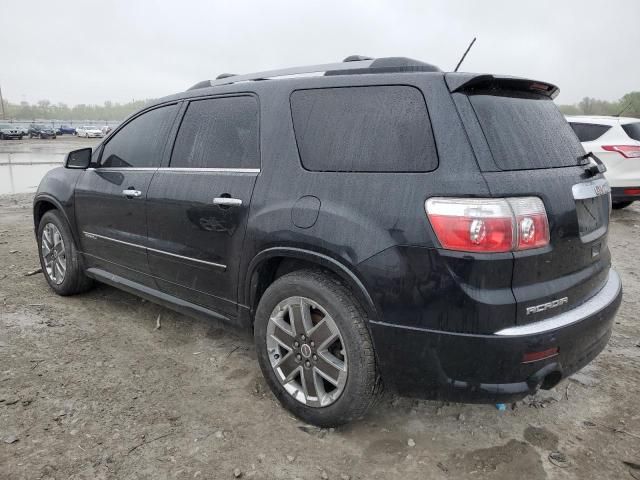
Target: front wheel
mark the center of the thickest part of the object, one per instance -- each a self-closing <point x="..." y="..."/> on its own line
<point x="59" y="257"/>
<point x="315" y="350"/>
<point x="620" y="205"/>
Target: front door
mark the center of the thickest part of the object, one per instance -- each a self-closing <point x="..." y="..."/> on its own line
<point x="198" y="205"/>
<point x="110" y="199"/>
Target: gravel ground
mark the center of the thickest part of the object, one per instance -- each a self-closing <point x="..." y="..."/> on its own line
<point x="91" y="389"/>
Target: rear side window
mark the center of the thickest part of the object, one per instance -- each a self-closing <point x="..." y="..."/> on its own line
<point x="526" y="133"/>
<point x="218" y="133"/>
<point x="633" y="130"/>
<point x="363" y="129"/>
<point x="588" y="132"/>
<point x="140" y="143"/>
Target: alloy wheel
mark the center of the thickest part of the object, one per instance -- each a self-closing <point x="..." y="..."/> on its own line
<point x="307" y="352"/>
<point x="53" y="253"/>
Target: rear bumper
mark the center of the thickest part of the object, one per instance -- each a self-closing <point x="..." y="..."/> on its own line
<point x="621" y="194"/>
<point x="489" y="368"/>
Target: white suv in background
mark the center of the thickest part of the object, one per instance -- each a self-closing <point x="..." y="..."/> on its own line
<point x="616" y="141"/>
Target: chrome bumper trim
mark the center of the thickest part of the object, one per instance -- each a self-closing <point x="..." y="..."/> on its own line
<point x="598" y="302"/>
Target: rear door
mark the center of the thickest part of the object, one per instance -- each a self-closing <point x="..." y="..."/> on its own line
<point x="110" y="198"/>
<point x="525" y="147"/>
<point x="198" y="204"/>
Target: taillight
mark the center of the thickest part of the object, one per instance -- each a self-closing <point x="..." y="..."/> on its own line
<point x="627" y="151"/>
<point x="488" y="224"/>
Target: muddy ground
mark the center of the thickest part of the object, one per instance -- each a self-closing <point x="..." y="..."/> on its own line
<point x="90" y="389"/>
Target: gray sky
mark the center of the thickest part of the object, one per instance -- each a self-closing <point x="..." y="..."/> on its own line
<point x="91" y="51"/>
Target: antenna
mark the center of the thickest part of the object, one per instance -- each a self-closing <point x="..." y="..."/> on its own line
<point x="623" y="109"/>
<point x="464" y="55"/>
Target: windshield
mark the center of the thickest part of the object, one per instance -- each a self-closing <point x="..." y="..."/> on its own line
<point x="526" y="132"/>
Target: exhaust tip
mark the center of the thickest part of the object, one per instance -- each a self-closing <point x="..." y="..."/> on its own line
<point x="551" y="380"/>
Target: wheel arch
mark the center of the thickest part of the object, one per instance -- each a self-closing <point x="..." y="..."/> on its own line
<point x="44" y="203"/>
<point x="274" y="262"/>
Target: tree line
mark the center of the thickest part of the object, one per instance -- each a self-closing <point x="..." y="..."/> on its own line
<point x="628" y="105"/>
<point x="45" y="110"/>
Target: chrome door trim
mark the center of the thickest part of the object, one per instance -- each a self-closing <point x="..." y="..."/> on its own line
<point x="592" y="306"/>
<point x="191" y="259"/>
<point x="94" y="236"/>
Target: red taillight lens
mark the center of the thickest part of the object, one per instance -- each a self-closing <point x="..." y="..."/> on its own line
<point x="488" y="224"/>
<point x="631" y="191"/>
<point x="537" y="356"/>
<point x="627" y="151"/>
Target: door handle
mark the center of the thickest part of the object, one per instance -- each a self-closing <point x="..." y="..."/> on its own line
<point x="131" y="193"/>
<point x="227" y="202"/>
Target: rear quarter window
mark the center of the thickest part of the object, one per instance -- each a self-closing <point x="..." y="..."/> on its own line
<point x="588" y="132"/>
<point x="526" y="132"/>
<point x="363" y="129"/>
<point x="633" y="130"/>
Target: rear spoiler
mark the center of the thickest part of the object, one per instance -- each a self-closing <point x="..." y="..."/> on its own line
<point x="470" y="83"/>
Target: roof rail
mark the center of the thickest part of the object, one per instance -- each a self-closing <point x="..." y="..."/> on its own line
<point x="285" y="72"/>
<point x="354" y="64"/>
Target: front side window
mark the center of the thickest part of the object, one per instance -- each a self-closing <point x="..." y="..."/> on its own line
<point x="218" y="133"/>
<point x="363" y="129"/>
<point x="140" y="143"/>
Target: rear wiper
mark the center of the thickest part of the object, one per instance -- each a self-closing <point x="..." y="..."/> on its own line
<point x="590" y="168"/>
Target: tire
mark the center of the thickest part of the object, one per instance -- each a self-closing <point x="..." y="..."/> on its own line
<point x="620" y="205"/>
<point x="358" y="385"/>
<point x="73" y="280"/>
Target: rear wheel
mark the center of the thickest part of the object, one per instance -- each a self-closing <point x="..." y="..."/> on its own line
<point x="59" y="257"/>
<point x="620" y="205"/>
<point x="314" y="348"/>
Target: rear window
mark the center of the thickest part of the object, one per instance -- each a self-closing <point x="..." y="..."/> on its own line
<point x="526" y="133"/>
<point x="363" y="129"/>
<point x="633" y="130"/>
<point x="588" y="132"/>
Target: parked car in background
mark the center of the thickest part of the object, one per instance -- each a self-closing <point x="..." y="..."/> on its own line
<point x="24" y="129"/>
<point x="275" y="205"/>
<point x="89" y="131"/>
<point x="66" y="129"/>
<point x="8" y="131"/>
<point x="106" y="130"/>
<point x="616" y="141"/>
<point x="41" y="131"/>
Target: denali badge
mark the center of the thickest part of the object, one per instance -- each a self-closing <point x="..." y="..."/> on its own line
<point x="546" y="306"/>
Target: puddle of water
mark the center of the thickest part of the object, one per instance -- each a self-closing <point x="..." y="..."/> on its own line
<point x="22" y="172"/>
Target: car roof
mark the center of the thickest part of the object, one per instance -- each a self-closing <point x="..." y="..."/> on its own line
<point x="602" y="119"/>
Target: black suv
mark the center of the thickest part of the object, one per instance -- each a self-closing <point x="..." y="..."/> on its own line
<point x="381" y="223"/>
<point x="42" y="131"/>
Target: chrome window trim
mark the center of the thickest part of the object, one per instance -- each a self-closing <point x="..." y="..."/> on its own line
<point x="180" y="169"/>
<point x="595" y="304"/>
<point x="155" y="250"/>
<point x="128" y="169"/>
<point x="213" y="170"/>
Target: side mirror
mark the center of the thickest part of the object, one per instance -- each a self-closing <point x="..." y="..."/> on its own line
<point x="80" y="159"/>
